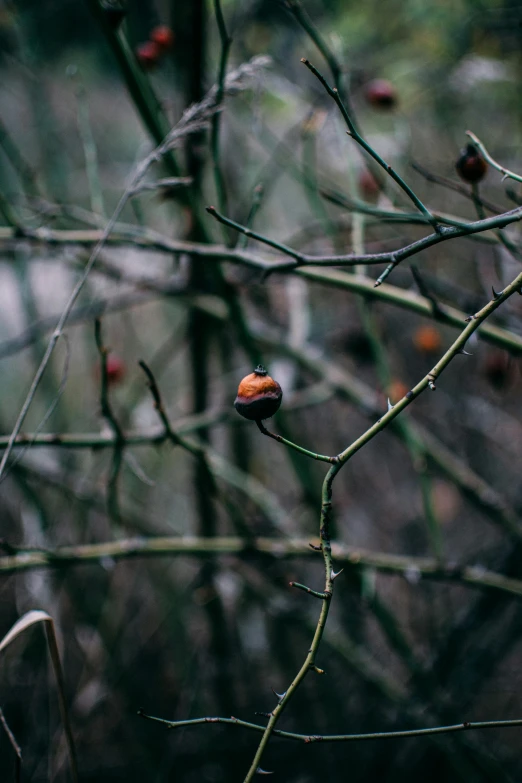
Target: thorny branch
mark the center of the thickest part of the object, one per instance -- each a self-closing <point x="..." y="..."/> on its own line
<point x="310" y="738"/>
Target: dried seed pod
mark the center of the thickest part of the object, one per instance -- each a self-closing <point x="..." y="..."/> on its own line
<point x="381" y="93"/>
<point x="258" y="396"/>
<point x="471" y="166"/>
<point x="163" y="36"/>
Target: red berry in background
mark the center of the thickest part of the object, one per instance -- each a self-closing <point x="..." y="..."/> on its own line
<point x="368" y="185"/>
<point x="163" y="37"/>
<point x="427" y="339"/>
<point x="148" y="55"/>
<point x="381" y="93"/>
<point x="258" y="396"/>
<point x="116" y="369"/>
<point x="499" y="369"/>
<point x="471" y="166"/>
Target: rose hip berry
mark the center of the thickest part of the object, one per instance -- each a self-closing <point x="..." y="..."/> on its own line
<point x="381" y="93"/>
<point x="471" y="166"/>
<point x="163" y="37"/>
<point x="148" y="55"/>
<point x="258" y="396"/>
<point x="116" y="369"/>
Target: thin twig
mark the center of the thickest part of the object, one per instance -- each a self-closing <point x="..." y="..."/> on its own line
<point x="356" y="136"/>
<point x="226" y="42"/>
<point x="310" y="738"/>
<point x="393" y="257"/>
<point x="306" y="452"/>
<point x="457" y="187"/>
<point x="109" y="416"/>
<point x="506" y="172"/>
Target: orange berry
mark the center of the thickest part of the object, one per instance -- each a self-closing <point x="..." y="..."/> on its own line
<point x="148" y="55"/>
<point x="471" y="166"/>
<point x="427" y="339"/>
<point x="163" y="37"/>
<point x="258" y="396"/>
<point x="381" y="93"/>
<point x="116" y="369"/>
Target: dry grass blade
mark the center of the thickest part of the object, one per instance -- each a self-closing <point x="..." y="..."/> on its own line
<point x="32" y="618"/>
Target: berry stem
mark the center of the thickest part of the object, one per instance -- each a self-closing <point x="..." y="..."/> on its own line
<point x="300" y="449"/>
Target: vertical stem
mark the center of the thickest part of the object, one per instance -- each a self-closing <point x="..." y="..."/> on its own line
<point x="309" y="662"/>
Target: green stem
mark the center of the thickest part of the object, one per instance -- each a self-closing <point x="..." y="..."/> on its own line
<point x="309" y="662"/>
<point x="310" y="738"/>
<point x="306" y="452"/>
<point x="492" y="161"/>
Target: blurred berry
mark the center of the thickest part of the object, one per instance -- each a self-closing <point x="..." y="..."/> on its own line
<point x="368" y="185"/>
<point x="116" y="369"/>
<point x="381" y="93"/>
<point x="148" y="55"/>
<point x="471" y="166"/>
<point x="499" y="369"/>
<point x="427" y="339"/>
<point x="163" y="37"/>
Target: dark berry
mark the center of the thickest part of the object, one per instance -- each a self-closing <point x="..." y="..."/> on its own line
<point x="471" y="166"/>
